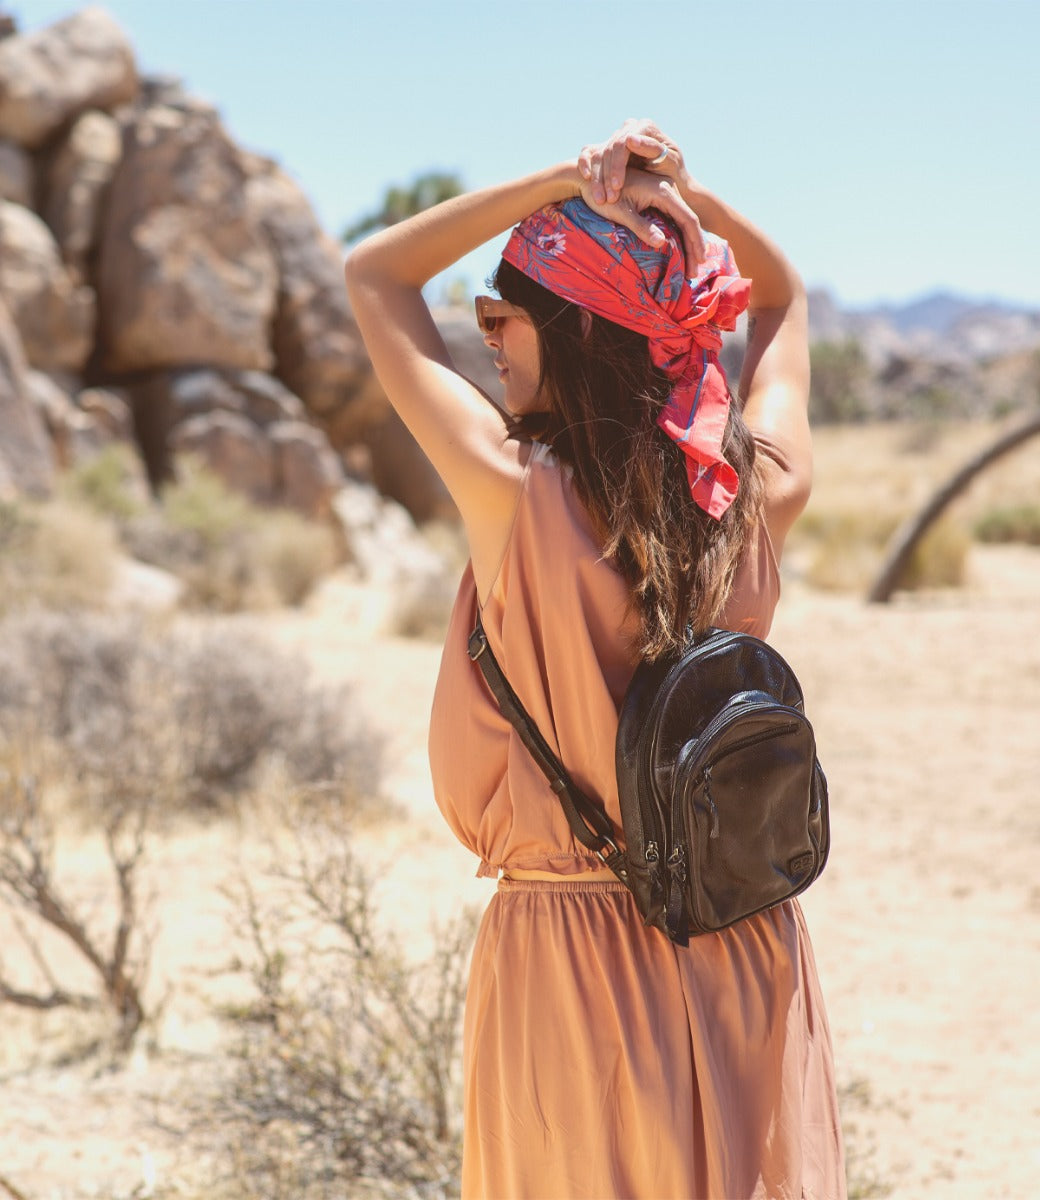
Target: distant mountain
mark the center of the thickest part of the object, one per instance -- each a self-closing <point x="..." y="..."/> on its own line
<point x="940" y="327"/>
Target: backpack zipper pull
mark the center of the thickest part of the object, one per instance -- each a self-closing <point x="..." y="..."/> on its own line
<point x="653" y="862"/>
<point x="711" y="803"/>
<point x="677" y="878"/>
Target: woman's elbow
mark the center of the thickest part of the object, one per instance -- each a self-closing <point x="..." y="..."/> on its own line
<point x="355" y="268"/>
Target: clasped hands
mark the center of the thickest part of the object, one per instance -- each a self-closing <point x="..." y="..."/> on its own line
<point x="620" y="181"/>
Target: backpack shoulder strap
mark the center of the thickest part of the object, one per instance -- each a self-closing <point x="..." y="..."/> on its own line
<point x="589" y="823"/>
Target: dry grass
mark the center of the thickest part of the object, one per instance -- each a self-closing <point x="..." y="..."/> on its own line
<point x="892" y="468"/>
<point x="846" y="551"/>
<point x="54" y="555"/>
<point x="871" y="477"/>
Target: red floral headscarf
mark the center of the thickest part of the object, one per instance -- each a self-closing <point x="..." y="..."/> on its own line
<point x="585" y="258"/>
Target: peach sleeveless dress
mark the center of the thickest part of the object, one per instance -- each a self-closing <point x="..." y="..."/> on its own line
<point x="600" y="1060"/>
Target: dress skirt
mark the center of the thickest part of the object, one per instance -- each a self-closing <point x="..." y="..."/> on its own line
<point x="602" y="1061"/>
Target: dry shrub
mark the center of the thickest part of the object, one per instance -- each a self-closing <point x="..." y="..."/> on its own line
<point x="292" y="554"/>
<point x="111" y="962"/>
<point x="863" y="1180"/>
<point x="231" y="554"/>
<point x="196" y="716"/>
<point x="348" y="1057"/>
<point x="54" y="555"/>
<point x="940" y="559"/>
<point x="421" y="608"/>
<point x="1011" y="523"/>
<point x="847" y="548"/>
<point x="421" y="605"/>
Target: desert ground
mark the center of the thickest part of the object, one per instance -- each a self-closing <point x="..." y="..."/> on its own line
<point x="926" y="923"/>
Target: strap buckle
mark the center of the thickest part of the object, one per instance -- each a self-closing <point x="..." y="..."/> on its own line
<point x="477" y="643"/>
<point x="599" y="852"/>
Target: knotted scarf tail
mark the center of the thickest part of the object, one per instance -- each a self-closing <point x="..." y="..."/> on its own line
<point x="695" y="418"/>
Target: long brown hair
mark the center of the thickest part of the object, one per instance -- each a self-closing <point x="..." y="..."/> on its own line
<point x="603" y="395"/>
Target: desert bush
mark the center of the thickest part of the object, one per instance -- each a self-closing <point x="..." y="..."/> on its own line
<point x="109" y="482"/>
<point x="940" y="559"/>
<point x="187" y="715"/>
<point x="230" y="554"/>
<point x="846" y="548"/>
<point x="348" y="1058"/>
<point x="1018" y="523"/>
<point x="840" y="376"/>
<point x="862" y="1177"/>
<point x="292" y="554"/>
<point x="34" y="892"/>
<point x="54" y="555"/>
<point x="421" y="606"/>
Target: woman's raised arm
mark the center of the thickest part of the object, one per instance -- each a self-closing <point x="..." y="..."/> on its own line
<point x="461" y="432"/>
<point x="463" y="435"/>
<point x="774" y="381"/>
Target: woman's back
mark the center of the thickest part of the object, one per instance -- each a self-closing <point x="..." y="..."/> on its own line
<point x="559" y="621"/>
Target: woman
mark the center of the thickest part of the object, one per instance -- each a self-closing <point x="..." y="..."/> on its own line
<point x="622" y="498"/>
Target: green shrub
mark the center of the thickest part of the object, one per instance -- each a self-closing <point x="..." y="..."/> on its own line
<point x="1020" y="523"/>
<point x="840" y="377"/>
<point x="111" y="483"/>
<point x="230" y="554"/>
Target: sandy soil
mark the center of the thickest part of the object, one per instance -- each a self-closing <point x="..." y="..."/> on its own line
<point x="926" y="924"/>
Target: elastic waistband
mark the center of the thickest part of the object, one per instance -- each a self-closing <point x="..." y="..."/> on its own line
<point x="572" y="884"/>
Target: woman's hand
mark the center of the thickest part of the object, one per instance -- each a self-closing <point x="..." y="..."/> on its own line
<point x="603" y="166"/>
<point x="641" y="191"/>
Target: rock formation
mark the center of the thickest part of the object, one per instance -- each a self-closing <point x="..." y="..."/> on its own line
<point x="159" y="283"/>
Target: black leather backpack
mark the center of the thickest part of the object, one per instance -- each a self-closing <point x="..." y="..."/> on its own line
<point x="723" y="800"/>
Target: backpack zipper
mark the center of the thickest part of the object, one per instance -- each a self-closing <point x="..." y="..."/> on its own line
<point x="749" y="740"/>
<point x="676" y="866"/>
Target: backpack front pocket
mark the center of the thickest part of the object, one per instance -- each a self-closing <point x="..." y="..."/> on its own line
<point x="744" y="795"/>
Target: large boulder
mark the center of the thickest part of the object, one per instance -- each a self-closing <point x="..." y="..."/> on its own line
<point x="26" y="458"/>
<point x="75" y="436"/>
<point x="47" y="78"/>
<point x="109" y="409"/>
<point x="76" y="180"/>
<point x="381" y="539"/>
<point x="54" y="315"/>
<point x="184" y="273"/>
<point x="400" y="469"/>
<point x="164" y="400"/>
<point x="308" y="472"/>
<point x="318" y="352"/>
<point x="261" y="398"/>
<point x="16" y="174"/>
<point x="232" y="447"/>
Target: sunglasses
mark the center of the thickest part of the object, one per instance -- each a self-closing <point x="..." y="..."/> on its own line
<point x="491" y="310"/>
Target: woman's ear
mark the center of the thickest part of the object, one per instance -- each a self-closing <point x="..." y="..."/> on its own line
<point x="586" y="322"/>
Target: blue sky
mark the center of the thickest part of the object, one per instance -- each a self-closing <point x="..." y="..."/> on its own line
<point x="888" y="145"/>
